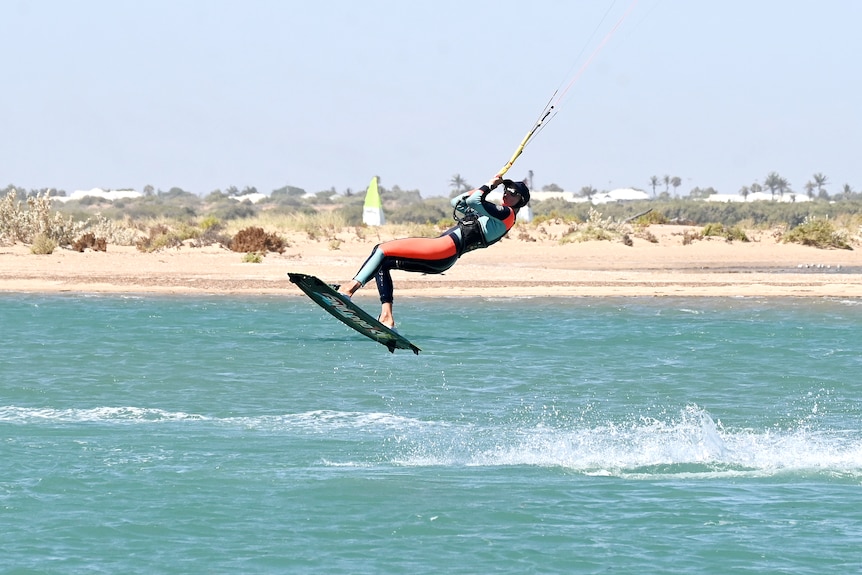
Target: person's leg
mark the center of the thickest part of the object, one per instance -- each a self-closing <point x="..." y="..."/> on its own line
<point x="424" y="255"/>
<point x="428" y="255"/>
<point x="366" y="272"/>
<point x="387" y="292"/>
<point x="386" y="317"/>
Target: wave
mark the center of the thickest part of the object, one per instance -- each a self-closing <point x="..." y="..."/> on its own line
<point x="15" y="414"/>
<point x="691" y="444"/>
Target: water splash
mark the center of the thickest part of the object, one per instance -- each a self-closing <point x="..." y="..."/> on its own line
<point x="691" y="443"/>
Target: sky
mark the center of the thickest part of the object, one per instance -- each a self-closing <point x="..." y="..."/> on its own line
<point x="321" y="95"/>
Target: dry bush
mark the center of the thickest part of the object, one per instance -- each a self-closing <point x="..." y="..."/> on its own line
<point x="689" y="236"/>
<point x="256" y="240"/>
<point x="596" y="228"/>
<point x="120" y="234"/>
<point x="647" y="235"/>
<point x="24" y="225"/>
<point x="89" y="240"/>
<point x="160" y="237"/>
<point x="43" y="245"/>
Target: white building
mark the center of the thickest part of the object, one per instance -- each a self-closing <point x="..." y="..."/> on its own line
<point x="757" y="197"/>
<point x="108" y="195"/>
<point x="620" y="195"/>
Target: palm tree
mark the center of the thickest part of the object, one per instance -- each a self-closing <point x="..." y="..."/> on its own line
<point x="666" y="181"/>
<point x="848" y="191"/>
<point x="588" y="191"/>
<point x="653" y="181"/>
<point x="820" y="180"/>
<point x="773" y="182"/>
<point x="783" y="187"/>
<point x="756" y="188"/>
<point x="744" y="191"/>
<point x="675" y="182"/>
<point x="458" y="185"/>
<point x="809" y="189"/>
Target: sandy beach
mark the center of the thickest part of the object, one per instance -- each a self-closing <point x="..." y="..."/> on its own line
<point x="534" y="264"/>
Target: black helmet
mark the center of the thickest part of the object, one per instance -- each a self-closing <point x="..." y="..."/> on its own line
<point x="519" y="188"/>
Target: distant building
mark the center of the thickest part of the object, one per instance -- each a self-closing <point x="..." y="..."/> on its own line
<point x="253" y="198"/>
<point x="756" y="197"/>
<point x="620" y="195"/>
<point x="108" y="195"/>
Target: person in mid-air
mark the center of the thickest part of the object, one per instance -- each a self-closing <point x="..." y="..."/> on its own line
<point x="482" y="224"/>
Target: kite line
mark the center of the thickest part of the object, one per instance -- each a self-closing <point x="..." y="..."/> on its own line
<point x="552" y="107"/>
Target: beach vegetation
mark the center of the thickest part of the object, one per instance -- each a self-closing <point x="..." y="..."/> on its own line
<point x="731" y="233"/>
<point x="256" y="239"/>
<point x="819" y="233"/>
<point x="252" y="258"/>
<point x="646" y="234"/>
<point x="596" y="228"/>
<point x="163" y="219"/>
<point x="159" y="237"/>
<point x="652" y="217"/>
<point x="690" y="236"/>
<point x="43" y="245"/>
<point x="89" y="240"/>
<point x="24" y="221"/>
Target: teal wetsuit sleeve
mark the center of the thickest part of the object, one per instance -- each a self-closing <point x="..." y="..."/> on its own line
<point x="370" y="267"/>
<point x="458" y="202"/>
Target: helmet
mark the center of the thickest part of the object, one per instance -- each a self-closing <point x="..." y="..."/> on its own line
<point x="519" y="188"/>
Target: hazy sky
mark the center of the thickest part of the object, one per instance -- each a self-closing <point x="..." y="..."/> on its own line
<point x="207" y="94"/>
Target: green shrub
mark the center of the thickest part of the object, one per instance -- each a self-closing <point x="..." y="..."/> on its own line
<point x="252" y="258"/>
<point x="736" y="233"/>
<point x="210" y="222"/>
<point x="650" y="218"/>
<point x="730" y="234"/>
<point x="819" y="233"/>
<point x="713" y="230"/>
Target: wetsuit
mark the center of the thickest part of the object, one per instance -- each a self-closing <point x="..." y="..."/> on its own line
<point x="485" y="224"/>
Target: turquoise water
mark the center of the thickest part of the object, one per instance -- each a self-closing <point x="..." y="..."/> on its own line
<point x="548" y="435"/>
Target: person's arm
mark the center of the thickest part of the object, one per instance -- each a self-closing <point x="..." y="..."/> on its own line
<point x="475" y="199"/>
<point x="492" y="183"/>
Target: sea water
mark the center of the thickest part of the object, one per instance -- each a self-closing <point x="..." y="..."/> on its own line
<point x="152" y="434"/>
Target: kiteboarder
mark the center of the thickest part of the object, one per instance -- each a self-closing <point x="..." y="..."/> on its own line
<point x="483" y="223"/>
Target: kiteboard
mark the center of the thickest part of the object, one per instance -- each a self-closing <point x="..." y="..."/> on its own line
<point x="347" y="312"/>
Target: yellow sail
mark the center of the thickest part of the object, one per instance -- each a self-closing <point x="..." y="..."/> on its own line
<point x="372" y="213"/>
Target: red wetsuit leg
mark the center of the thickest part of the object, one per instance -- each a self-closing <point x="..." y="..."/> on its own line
<point x="421" y="248"/>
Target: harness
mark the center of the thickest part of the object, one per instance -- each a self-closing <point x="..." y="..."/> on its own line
<point x="472" y="236"/>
